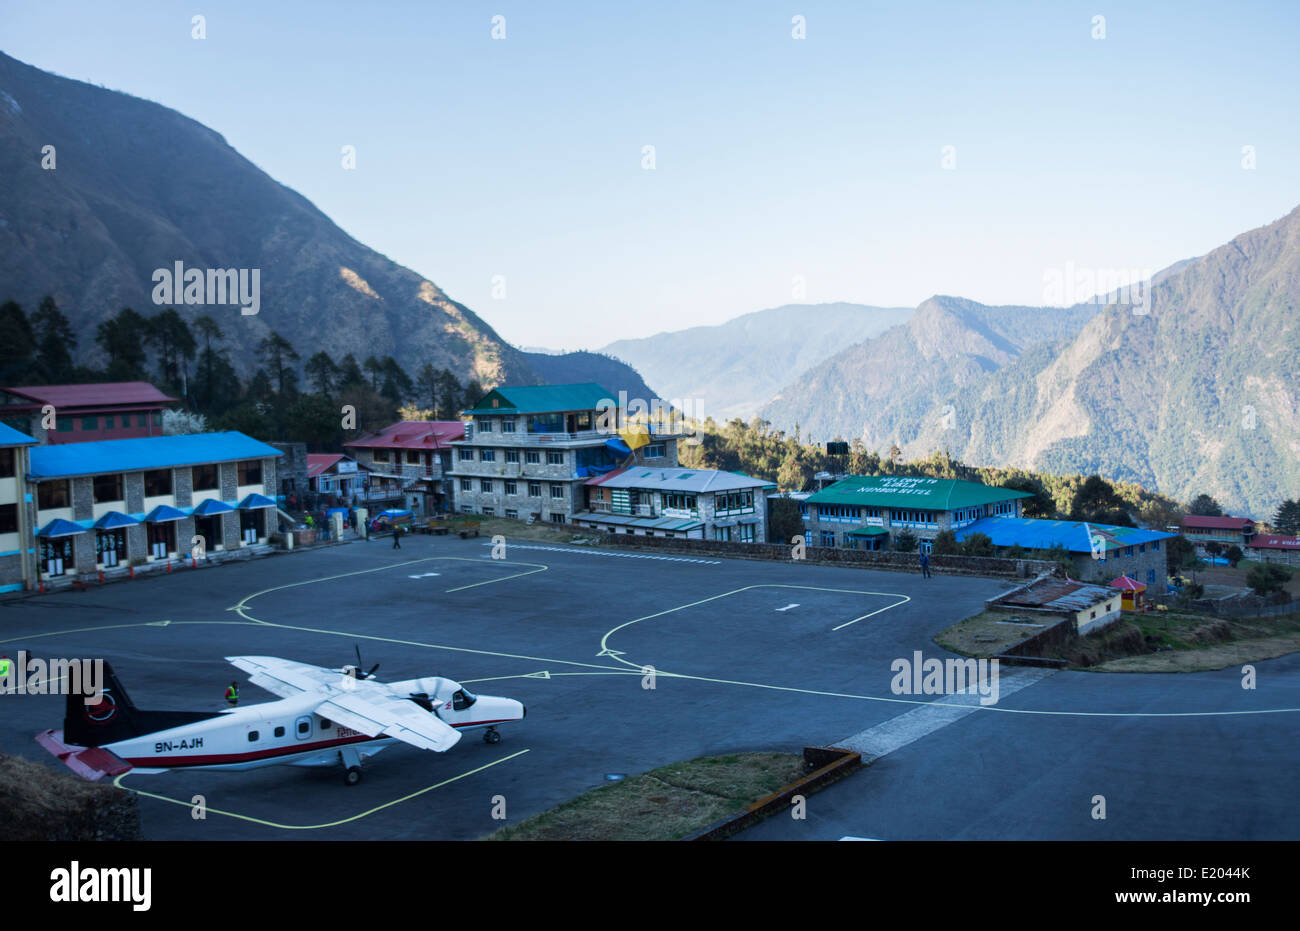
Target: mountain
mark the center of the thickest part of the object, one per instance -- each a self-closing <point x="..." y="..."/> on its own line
<point x="137" y="187"/>
<point x="883" y="389"/>
<point x="1199" y="395"/>
<point x="557" y="368"/>
<point x="733" y="368"/>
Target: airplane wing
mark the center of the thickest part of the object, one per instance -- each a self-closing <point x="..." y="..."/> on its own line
<point x="284" y="677"/>
<point x="375" y="711"/>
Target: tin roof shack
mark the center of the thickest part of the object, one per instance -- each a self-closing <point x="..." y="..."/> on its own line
<point x="1088" y="608"/>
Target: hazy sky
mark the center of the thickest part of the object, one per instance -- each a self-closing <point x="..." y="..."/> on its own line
<point x="774" y="157"/>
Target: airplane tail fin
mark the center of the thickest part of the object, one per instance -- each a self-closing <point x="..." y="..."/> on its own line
<point x="115" y="717"/>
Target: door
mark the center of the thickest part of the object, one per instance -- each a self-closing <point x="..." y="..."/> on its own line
<point x="302" y="728"/>
<point x="110" y="546"/>
<point x="162" y="539"/>
<point x="56" y="556"/>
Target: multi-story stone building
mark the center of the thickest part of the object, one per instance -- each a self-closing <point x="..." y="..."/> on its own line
<point x="1226" y="531"/>
<point x="703" y="504"/>
<point x="528" y="450"/>
<point x="86" y="413"/>
<point x="406" y="465"/>
<point x="865" y="512"/>
<point x="17" y="513"/>
<point x="134" y="502"/>
<point x="1098" y="552"/>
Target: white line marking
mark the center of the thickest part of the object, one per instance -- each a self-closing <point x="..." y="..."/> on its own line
<point x="788" y="607"/>
<point x="586" y="552"/>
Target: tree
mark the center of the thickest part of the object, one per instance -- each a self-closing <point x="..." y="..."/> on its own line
<point x="55" y="340"/>
<point x="1287" y="518"/>
<point x="785" y="521"/>
<point x="977" y="544"/>
<point x="1205" y="506"/>
<point x="426" y="386"/>
<point x="279" y="355"/>
<point x="793" y="474"/>
<point x="1214" y="548"/>
<point x="1267" y="578"/>
<point x="375" y="369"/>
<point x="178" y="422"/>
<point x="1097" y="502"/>
<point x="1234" y="555"/>
<point x="170" y="335"/>
<point x="19" y="343"/>
<point x="123" y="338"/>
<point x="905" y="541"/>
<point x="1177" y="552"/>
<point x="450" y="396"/>
<point x="945" y="543"/>
<point x="315" y="421"/>
<point x="397" y="384"/>
<point x="1040" y="505"/>
<point x="324" y="374"/>
<point x="349" y="372"/>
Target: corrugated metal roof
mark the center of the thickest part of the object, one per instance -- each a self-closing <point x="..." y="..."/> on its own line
<point x="897" y="491"/>
<point x="1216" y="523"/>
<point x="413" y="434"/>
<point x="1038" y="534"/>
<point x="145" y="452"/>
<point x="695" y="481"/>
<point x="543" y="399"/>
<point x="1059" y="595"/>
<point x="320" y="462"/>
<point x="1274" y="542"/>
<point x="96" y="395"/>
<point x="11" y="437"/>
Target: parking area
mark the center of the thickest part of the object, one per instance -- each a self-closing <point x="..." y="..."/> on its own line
<point x="745" y="655"/>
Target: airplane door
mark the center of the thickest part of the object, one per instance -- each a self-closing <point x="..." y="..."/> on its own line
<point x="302" y="729"/>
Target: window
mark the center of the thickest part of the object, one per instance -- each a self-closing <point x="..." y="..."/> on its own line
<point x="90" y="423"/>
<point x="465" y="455"/>
<point x="141" y="420"/>
<point x="325" y="724"/>
<point x="466" y="509"/>
<point x="157" y="482"/>
<point x="654" y="451"/>
<point x="485" y="484"/>
<point x="511" y="512"/>
<point x="304" y="726"/>
<point x="250" y="472"/>
<point x="108" y="488"/>
<point x="512" y="488"/>
<point x="52" y="494"/>
<point x="108" y="422"/>
<point x="512" y="455"/>
<point x="157" y="418"/>
<point x="466" y="484"/>
<point x="532" y="457"/>
<point x="1128" y="551"/>
<point x="65" y="424"/>
<point x="488" y="512"/>
<point x="679" y="502"/>
<point x="1155" y="544"/>
<point x="724" y="533"/>
<point x="379" y="455"/>
<point x="484" y="424"/>
<point x="413" y="456"/>
<point x="253" y="736"/>
<point x="554" y="458"/>
<point x="462" y="699"/>
<point x="558" y="519"/>
<point x="279" y="731"/>
<point x="1151" y="577"/>
<point x="8" y="518"/>
<point x="204" y="477"/>
<point x="6" y="462"/>
<point x="507" y="426"/>
<point x="534" y="489"/>
<point x="488" y="455"/>
<point x="828" y="538"/>
<point x="745" y="533"/>
<point x="557" y="490"/>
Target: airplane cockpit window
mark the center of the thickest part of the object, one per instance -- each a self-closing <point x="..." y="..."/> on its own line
<point x="462" y="699"/>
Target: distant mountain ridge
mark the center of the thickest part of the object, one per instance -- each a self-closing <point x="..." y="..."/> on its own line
<point x="734" y="367"/>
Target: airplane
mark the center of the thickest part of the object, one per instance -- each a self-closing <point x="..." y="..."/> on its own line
<point x="324" y="717"/>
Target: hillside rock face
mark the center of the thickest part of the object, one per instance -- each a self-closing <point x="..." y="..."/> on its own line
<point x="137" y="187"/>
<point x="1199" y="395"/>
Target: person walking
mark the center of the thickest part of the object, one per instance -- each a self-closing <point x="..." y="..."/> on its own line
<point x="397" y="537"/>
<point x="925" y="564"/>
<point x="232" y="694"/>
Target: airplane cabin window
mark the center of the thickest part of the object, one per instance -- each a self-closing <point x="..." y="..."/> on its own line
<point x="279" y="732"/>
<point x="252" y="736"/>
<point x="324" y="724"/>
<point x="303" y="727"/>
<point x="463" y="699"/>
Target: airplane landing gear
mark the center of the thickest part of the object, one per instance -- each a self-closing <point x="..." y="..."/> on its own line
<point x="352" y="776"/>
<point x="490" y="736"/>
<point x="351" y="761"/>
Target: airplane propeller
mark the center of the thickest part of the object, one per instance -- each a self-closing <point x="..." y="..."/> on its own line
<point x="359" y="666"/>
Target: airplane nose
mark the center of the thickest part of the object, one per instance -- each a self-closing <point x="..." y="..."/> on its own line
<point x="524" y="710"/>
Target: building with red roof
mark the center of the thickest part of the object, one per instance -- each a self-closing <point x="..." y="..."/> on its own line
<point x="405" y="465"/>
<point x="83" y="413"/>
<point x="1272" y="547"/>
<point x="1227" y="531"/>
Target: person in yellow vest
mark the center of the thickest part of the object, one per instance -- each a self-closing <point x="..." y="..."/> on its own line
<point x="232" y="695"/>
<point x="6" y="665"/>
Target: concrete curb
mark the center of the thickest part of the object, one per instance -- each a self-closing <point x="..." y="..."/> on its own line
<point x="833" y="764"/>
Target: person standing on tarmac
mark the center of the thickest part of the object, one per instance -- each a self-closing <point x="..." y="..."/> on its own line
<point x="232" y="694"/>
<point x="397" y="536"/>
<point x="925" y="564"/>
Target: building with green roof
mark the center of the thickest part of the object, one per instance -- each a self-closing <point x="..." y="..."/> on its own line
<point x="869" y="511"/>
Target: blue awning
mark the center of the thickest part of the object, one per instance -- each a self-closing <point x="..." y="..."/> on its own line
<point x="163" y="513"/>
<point x="212" y="506"/>
<point x="60" y="528"/>
<point x="114" y="519"/>
<point x="256" y="501"/>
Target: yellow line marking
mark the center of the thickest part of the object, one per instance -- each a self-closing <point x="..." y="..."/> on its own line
<point x="329" y="824"/>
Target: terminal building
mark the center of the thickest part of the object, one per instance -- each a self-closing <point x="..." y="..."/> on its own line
<point x="122" y="504"/>
<point x="869" y="511"/>
<point x="529" y="451"/>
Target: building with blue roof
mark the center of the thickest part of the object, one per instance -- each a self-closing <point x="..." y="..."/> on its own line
<point x="119" y="504"/>
<point x="1099" y="552"/>
<point x="17" y="556"/>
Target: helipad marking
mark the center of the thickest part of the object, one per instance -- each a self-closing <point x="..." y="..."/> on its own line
<point x="330" y="824"/>
<point x="788" y="607"/>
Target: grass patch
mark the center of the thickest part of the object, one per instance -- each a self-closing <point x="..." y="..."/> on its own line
<point x="991" y="632"/>
<point x="664" y="804"/>
<point x="39" y="803"/>
<point x="1199" y="643"/>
